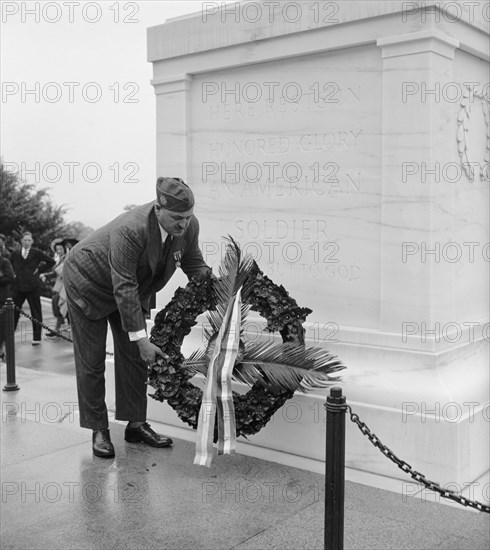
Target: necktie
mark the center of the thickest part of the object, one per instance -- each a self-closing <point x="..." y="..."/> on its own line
<point x="166" y="247"/>
<point x="160" y="268"/>
<point x="25" y="253"/>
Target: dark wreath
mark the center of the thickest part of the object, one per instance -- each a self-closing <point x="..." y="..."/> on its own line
<point x="171" y="377"/>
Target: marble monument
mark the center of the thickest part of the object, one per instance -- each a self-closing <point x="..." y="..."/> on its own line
<point x="345" y="146"/>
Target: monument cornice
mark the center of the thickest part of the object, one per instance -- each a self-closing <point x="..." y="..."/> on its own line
<point x="379" y="31"/>
<point x="178" y="83"/>
<point x="211" y="31"/>
<point x="418" y="42"/>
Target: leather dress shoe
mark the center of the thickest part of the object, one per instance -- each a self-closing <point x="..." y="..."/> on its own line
<point x="144" y="434"/>
<point x="101" y="444"/>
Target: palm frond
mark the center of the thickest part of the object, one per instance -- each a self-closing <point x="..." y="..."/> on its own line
<point x="287" y="367"/>
<point x="197" y="362"/>
<point x="234" y="274"/>
<point x="245" y="309"/>
<point x="215" y="319"/>
<point x="196" y="367"/>
<point x="279" y="367"/>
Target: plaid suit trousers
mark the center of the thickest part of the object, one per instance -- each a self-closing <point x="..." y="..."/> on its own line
<point x="130" y="371"/>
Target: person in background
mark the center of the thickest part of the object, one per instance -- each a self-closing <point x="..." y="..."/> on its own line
<point x="57" y="303"/>
<point x="69" y="243"/>
<point x="6" y="280"/>
<point x="28" y="263"/>
<point x="3" y="249"/>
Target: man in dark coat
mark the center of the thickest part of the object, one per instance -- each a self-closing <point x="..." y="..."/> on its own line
<point x="28" y="263"/>
<point x="109" y="278"/>
<point x="6" y="279"/>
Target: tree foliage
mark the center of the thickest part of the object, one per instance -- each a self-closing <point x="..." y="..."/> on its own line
<point x="77" y="230"/>
<point x="23" y="207"/>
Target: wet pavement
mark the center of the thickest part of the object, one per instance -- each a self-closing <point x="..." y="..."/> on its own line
<point x="56" y="495"/>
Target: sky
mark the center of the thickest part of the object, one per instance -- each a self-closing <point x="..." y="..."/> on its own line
<point x="78" y="110"/>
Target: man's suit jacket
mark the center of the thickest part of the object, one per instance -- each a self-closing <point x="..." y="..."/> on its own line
<point x="116" y="266"/>
<point x="27" y="270"/>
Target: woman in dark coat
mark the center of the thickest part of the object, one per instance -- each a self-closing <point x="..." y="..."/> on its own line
<point x="6" y="279"/>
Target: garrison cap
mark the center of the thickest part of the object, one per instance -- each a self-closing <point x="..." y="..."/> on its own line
<point x="173" y="194"/>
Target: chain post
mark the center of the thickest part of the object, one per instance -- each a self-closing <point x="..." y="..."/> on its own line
<point x="335" y="470"/>
<point x="10" y="346"/>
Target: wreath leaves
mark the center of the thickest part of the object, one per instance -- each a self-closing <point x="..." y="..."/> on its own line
<point x="274" y="371"/>
<point x="463" y="120"/>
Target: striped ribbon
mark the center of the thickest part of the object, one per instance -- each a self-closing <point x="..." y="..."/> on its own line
<point x="218" y="395"/>
<point x="226" y="409"/>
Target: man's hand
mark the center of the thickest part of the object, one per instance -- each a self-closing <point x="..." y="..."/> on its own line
<point x="149" y="352"/>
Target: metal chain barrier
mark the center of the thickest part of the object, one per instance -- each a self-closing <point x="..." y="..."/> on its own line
<point x="22" y="312"/>
<point x="432" y="485"/>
